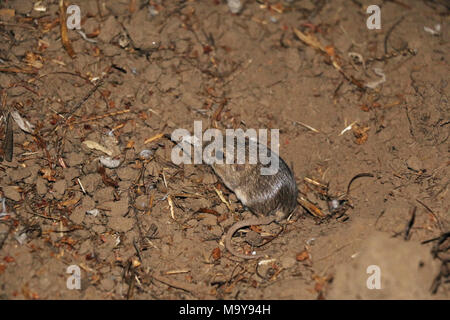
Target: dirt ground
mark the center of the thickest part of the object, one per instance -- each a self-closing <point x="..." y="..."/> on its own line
<point x="145" y="228"/>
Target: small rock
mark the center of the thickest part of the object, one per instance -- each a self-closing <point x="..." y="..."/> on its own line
<point x="121" y="224"/>
<point x="414" y="163"/>
<point x="191" y="100"/>
<point x="104" y="194"/>
<point x="142" y="31"/>
<point x="12" y="193"/>
<point x="107" y="284"/>
<point x="110" y="29"/>
<point x="287" y="262"/>
<point x="91" y="181"/>
<point x="90" y="167"/>
<point x="85" y="247"/>
<point x="216" y="231"/>
<point x="209" y="178"/>
<point x="41" y="186"/>
<point x="141" y="202"/>
<point x="127" y="173"/>
<point x="59" y="187"/>
<point x="78" y="215"/>
<point x="152" y="73"/>
<point x="22" y="7"/>
<point x="209" y="219"/>
<point x="17" y="175"/>
<point x="168" y="82"/>
<point x="117" y="208"/>
<point x="71" y="173"/>
<point x="235" y="6"/>
<point x="74" y="159"/>
<point x="98" y="228"/>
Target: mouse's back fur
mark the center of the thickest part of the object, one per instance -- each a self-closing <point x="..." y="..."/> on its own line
<point x="273" y="194"/>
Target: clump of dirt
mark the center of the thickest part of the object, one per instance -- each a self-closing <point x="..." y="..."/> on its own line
<point x="405" y="271"/>
<point x="87" y="178"/>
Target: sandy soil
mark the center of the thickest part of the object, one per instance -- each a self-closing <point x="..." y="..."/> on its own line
<point x="149" y="229"/>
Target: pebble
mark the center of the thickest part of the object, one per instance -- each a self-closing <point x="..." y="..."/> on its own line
<point x="141" y="202"/>
<point x="414" y="163"/>
<point x="12" y="193"/>
<point x="121" y="224"/>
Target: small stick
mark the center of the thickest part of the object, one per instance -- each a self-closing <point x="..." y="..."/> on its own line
<point x="86" y="97"/>
<point x="8" y="144"/>
<point x="307" y="126"/>
<point x="177" y="271"/>
<point x="64" y="36"/>
<point x="156" y="137"/>
<point x="410" y="224"/>
<point x="192" y="289"/>
<point x="222" y="198"/>
<point x="172" y="213"/>
<point x="81" y="185"/>
<point x="111" y="114"/>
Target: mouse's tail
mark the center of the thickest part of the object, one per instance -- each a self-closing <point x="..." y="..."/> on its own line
<point x="242" y="224"/>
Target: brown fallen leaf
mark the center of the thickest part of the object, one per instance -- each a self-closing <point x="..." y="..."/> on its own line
<point x="34" y="60"/>
<point x="70" y="202"/>
<point x="7" y="12"/>
<point x="107" y="179"/>
<point x="310" y="40"/>
<point x="9" y="259"/>
<point x="216" y="254"/>
<point x="360" y="133"/>
<point x="302" y="256"/>
<point x="48" y="174"/>
<point x="130" y="144"/>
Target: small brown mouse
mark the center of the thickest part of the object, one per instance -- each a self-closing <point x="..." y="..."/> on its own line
<point x="271" y="196"/>
<point x="261" y="180"/>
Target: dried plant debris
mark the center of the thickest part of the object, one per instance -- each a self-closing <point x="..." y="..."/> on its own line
<point x="86" y="171"/>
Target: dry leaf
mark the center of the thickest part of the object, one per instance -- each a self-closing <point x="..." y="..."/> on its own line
<point x="34" y="60"/>
<point x="216" y="254"/>
<point x="22" y="123"/>
<point x="302" y="256"/>
<point x="310" y="40"/>
<point x="95" y="145"/>
<point x="9" y="259"/>
<point x="7" y="12"/>
<point x="130" y="144"/>
<point x="48" y="174"/>
<point x="70" y="202"/>
<point x="360" y="133"/>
